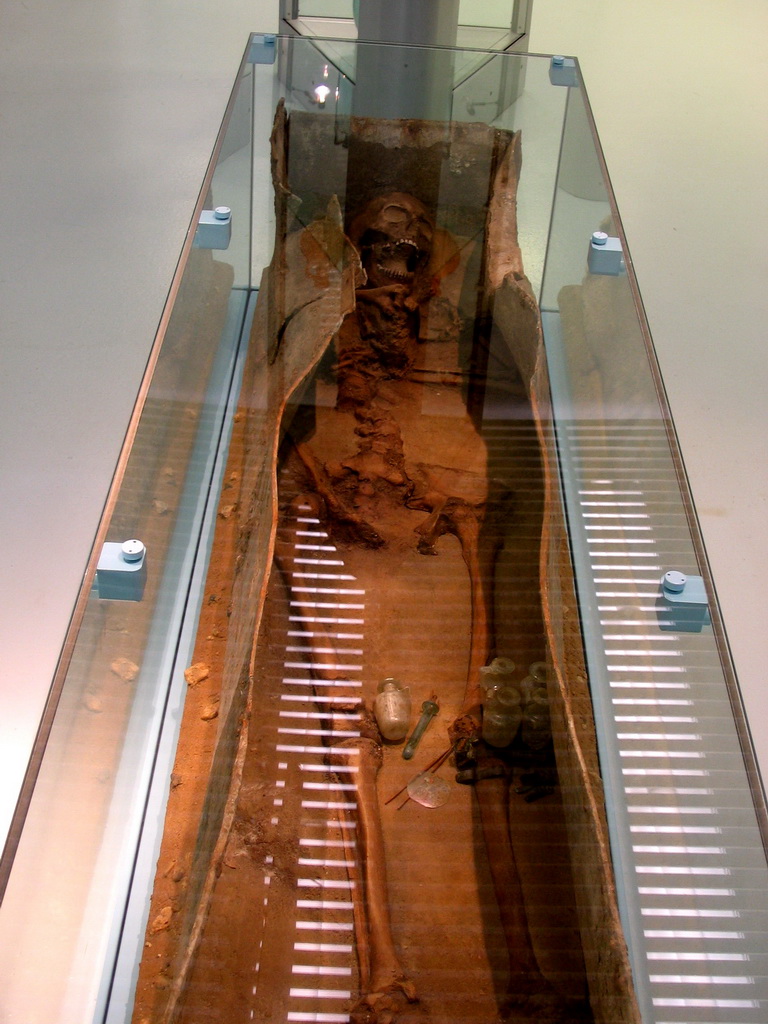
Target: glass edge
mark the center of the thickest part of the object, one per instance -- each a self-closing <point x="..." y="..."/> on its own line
<point x="309" y="40"/>
<point x="42" y="735"/>
<point x="756" y="782"/>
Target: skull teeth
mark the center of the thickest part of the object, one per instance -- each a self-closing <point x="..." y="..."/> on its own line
<point x="396" y="275"/>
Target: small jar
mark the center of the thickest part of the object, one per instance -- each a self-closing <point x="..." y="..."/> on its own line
<point x="502" y="714"/>
<point x="537" y="728"/>
<point x="537" y="676"/>
<point x="498" y="673"/>
<point x="392" y="708"/>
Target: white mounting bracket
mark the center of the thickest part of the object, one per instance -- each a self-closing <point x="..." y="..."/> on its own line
<point x="121" y="573"/>
<point x="214" y="229"/>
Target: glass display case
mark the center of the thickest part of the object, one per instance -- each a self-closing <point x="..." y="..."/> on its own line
<point x="396" y="688"/>
<point x="496" y="25"/>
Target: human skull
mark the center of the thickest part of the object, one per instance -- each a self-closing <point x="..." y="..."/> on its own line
<point x="394" y="234"/>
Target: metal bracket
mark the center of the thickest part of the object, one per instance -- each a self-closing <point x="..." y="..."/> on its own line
<point x="263" y="49"/>
<point x="606" y="255"/>
<point x="121" y="572"/>
<point x="214" y="229"/>
<point x="683" y="605"/>
<point x="562" y="71"/>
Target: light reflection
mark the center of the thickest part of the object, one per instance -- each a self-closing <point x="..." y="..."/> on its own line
<point x="701" y="979"/>
<point x="321" y="618"/>
<point x="685" y="830"/>
<point x="319" y="993"/>
<point x="616" y="515"/>
<point x="328" y="636"/>
<point x="660" y="701"/>
<point x="329" y="805"/>
<point x="688" y="933"/>
<point x="620" y="556"/>
<point x="322" y="947"/>
<point x="668" y="790"/>
<point x="649" y="685"/>
<point x="647" y="668"/>
<point x="672" y="810"/>
<point x="670" y="870"/>
<point x="347" y="733"/>
<point x="343" y="605"/>
<point x="341" y="844"/>
<point x="596" y="527"/>
<point x="655" y="718"/>
<point x="630" y="652"/>
<point x="325" y="904"/>
<point x="325" y="926"/>
<point x="320" y="862"/>
<point x="319" y="682"/>
<point x="330" y="786"/>
<point x="317" y="715"/>
<point x="316" y="561"/>
<point x="652" y="891"/>
<point x="662" y="753"/>
<point x="317" y="1018"/>
<point x="676" y="912"/>
<point x="696" y="772"/>
<point x="619" y="564"/>
<point x="698" y="956"/>
<point x="676" y="736"/>
<point x="324" y="883"/>
<point x="632" y="622"/>
<point x="660" y="638"/>
<point x="326" y="666"/>
<point x="620" y="540"/>
<point x="324" y="650"/>
<point x="735" y="1004"/>
<point x="287" y="748"/>
<point x="344" y="576"/>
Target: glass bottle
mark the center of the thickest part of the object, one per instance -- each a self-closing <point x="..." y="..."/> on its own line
<point x="537" y="728"/>
<point x="502" y="714"/>
<point x="537" y="676"/>
<point x="392" y="708"/>
<point x="502" y="711"/>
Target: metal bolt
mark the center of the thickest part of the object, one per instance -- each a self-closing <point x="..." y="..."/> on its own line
<point x="132" y="550"/>
<point x="674" y="581"/>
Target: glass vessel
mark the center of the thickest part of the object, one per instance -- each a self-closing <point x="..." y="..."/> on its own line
<point x="392" y="708"/>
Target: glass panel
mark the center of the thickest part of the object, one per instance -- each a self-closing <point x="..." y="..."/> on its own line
<point x="686" y="842"/>
<point x="495" y="25"/>
<point x="493" y="14"/>
<point x="121" y="687"/>
<point x="326" y="9"/>
<point x="441" y="487"/>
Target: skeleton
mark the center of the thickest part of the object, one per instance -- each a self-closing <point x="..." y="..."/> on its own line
<point x="364" y="496"/>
